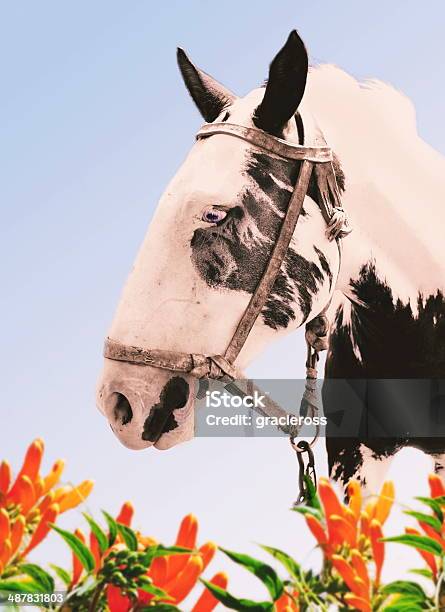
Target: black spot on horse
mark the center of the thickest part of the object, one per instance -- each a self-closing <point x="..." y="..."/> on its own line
<point x="392" y="340"/>
<point x="324" y="265"/>
<point x="234" y="252"/>
<point x="268" y="171"/>
<point x="278" y="311"/>
<point x="393" y="343"/>
<point x="174" y="395"/>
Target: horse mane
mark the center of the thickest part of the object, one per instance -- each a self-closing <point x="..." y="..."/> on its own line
<point x="395" y="181"/>
<point x="381" y="99"/>
<point x="382" y="117"/>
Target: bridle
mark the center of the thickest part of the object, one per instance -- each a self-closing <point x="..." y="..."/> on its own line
<point x="221" y="367"/>
<point x="314" y="159"/>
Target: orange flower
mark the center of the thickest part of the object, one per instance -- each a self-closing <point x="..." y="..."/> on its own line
<point x="61" y="492"/>
<point x="348" y="574"/>
<point x="427" y="556"/>
<point x="126" y="514"/>
<point x="432" y="533"/>
<point x="186" y="538"/>
<point x="329" y="499"/>
<point x="316" y="529"/>
<point x="54" y="476"/>
<point x="207" y="602"/>
<point x="17" y="533"/>
<point x="5" y="478"/>
<point x="349" y="533"/>
<point x="47" y="501"/>
<point x="77" y="565"/>
<point x="344" y="531"/>
<point x="355" y="498"/>
<point x="359" y="565"/>
<point x="207" y="552"/>
<point x="5" y="552"/>
<point x="364" y="524"/>
<point x="181" y="585"/>
<point x="22" y="494"/>
<point x="355" y="576"/>
<point x="30" y="467"/>
<point x="158" y="571"/>
<point x="286" y="603"/>
<point x="187" y="532"/>
<point x="176" y="574"/>
<point x="116" y="601"/>
<point x="76" y="496"/>
<point x="378" y="548"/>
<point x="43" y="527"/>
<point x="95" y="551"/>
<point x="341" y="521"/>
<point x="384" y="502"/>
<point x="437" y="487"/>
<point x="5" y="525"/>
<point x="29" y="503"/>
<point x="358" y="603"/>
<point x="380" y="508"/>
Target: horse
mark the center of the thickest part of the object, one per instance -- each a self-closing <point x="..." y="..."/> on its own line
<point x="214" y="229"/>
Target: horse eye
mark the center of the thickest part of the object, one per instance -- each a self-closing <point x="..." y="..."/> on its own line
<point x="213" y="215"/>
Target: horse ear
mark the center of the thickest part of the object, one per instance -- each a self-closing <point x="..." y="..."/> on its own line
<point x="285" y="86"/>
<point x="209" y="96"/>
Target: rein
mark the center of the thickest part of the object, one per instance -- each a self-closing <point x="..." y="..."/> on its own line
<point x="317" y="159"/>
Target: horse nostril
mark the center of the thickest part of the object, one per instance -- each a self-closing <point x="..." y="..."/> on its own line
<point x="122" y="410"/>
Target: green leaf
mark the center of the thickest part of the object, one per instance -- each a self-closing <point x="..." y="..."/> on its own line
<point x="128" y="535"/>
<point x="164" y="551"/>
<point x="426" y="573"/>
<point x="307" y="510"/>
<point x="432" y="521"/>
<point x="405" y="587"/>
<point x="421" y="542"/>
<point x="61" y="573"/>
<point x="153" y="590"/>
<point x="39" y="576"/>
<point x="290" y="564"/>
<point x="440" y="500"/>
<point x="405" y="604"/>
<point x="264" y="572"/>
<point x="231" y="602"/>
<point x="433" y="504"/>
<point x="312" y="499"/>
<point x="112" y="528"/>
<point x="101" y="537"/>
<point x="79" y="549"/>
<point x="159" y="550"/>
<point x="16" y="586"/>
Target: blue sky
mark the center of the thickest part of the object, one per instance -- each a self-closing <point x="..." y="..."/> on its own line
<point x="95" y="120"/>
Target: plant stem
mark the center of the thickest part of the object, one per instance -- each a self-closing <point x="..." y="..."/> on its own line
<point x="438" y="590"/>
<point x="96" y="597"/>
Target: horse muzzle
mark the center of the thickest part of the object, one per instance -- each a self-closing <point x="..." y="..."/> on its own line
<point x="146" y="406"/>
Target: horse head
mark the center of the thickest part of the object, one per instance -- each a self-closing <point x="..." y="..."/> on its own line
<point x="207" y="247"/>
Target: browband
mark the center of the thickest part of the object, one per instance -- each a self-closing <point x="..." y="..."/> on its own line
<point x="266" y="141"/>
